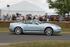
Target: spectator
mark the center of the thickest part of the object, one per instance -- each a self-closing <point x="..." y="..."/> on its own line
<point x="19" y="17"/>
<point x="40" y="18"/>
<point x="5" y="17"/>
<point x="8" y="17"/>
<point x="2" y="17"/>
<point x="13" y="17"/>
<point x="46" y="17"/>
<point x="34" y="18"/>
<point x="29" y="16"/>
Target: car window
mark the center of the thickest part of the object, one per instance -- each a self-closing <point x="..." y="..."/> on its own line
<point x="28" y="22"/>
<point x="32" y="22"/>
<point x="36" y="22"/>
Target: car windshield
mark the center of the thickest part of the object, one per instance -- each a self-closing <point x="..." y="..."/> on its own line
<point x="32" y="22"/>
<point x="37" y="22"/>
<point x="29" y="22"/>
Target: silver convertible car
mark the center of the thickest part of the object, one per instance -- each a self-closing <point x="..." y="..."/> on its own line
<point x="34" y="27"/>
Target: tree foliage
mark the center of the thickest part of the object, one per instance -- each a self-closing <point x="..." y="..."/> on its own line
<point x="62" y="6"/>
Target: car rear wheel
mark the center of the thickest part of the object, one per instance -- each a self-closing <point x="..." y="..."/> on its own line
<point x="48" y="31"/>
<point x="18" y="30"/>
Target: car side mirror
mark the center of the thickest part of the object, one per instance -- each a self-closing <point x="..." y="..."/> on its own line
<point x="36" y="23"/>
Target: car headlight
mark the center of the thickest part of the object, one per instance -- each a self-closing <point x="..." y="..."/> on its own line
<point x="56" y="27"/>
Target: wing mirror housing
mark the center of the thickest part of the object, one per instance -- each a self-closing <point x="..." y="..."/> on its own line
<point x="36" y="23"/>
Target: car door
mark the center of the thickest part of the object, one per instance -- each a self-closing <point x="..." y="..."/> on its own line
<point x="34" y="27"/>
<point x="28" y="26"/>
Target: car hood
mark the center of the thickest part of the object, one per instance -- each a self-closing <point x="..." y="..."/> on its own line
<point x="48" y="24"/>
<point x="51" y="25"/>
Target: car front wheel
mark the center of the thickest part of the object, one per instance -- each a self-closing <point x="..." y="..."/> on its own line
<point x="18" y="30"/>
<point x="48" y="31"/>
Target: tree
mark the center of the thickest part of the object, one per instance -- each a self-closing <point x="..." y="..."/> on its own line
<point x="62" y="6"/>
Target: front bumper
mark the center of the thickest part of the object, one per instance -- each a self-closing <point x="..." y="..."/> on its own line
<point x="11" y="30"/>
<point x="57" y="32"/>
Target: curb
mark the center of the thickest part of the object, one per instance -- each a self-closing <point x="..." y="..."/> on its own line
<point x="2" y="44"/>
<point x="66" y="32"/>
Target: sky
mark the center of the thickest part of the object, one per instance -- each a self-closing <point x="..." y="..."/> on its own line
<point x="41" y="3"/>
<point x="3" y="3"/>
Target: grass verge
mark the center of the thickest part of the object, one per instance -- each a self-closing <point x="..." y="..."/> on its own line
<point x="4" y="29"/>
<point x="66" y="29"/>
<point x="47" y="43"/>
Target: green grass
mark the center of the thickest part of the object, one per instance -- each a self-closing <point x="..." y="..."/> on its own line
<point x="4" y="29"/>
<point x="47" y="43"/>
<point x="66" y="29"/>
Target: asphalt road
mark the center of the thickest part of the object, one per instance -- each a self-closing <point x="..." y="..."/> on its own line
<point x="7" y="37"/>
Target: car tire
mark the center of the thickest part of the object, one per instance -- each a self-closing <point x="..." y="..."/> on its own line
<point x="18" y="30"/>
<point x="48" y="31"/>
